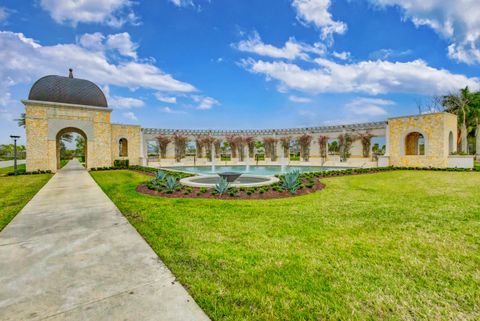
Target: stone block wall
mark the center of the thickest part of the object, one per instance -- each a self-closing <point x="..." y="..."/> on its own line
<point x="434" y="127"/>
<point x="36" y="128"/>
<point x="45" y="120"/>
<point x="130" y="132"/>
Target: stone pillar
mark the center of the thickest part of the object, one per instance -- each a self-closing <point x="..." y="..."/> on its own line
<point x="357" y="149"/>
<point x="143" y="159"/>
<point x="387" y="141"/>
<point x="314" y="148"/>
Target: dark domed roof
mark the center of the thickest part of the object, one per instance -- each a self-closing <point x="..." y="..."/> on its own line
<point x="67" y="90"/>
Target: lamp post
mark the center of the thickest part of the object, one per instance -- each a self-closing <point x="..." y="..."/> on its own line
<point x="14" y="153"/>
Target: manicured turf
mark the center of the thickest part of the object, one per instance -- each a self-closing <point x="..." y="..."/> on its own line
<point x="15" y="192"/>
<point x="5" y="170"/>
<point x="401" y="245"/>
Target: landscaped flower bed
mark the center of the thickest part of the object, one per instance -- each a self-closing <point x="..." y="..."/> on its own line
<point x="170" y="188"/>
<point x="166" y="184"/>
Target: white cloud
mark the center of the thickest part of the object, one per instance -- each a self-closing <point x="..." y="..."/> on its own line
<point x="299" y="100"/>
<point x="166" y="99"/>
<point x="169" y="110"/>
<point x="344" y="55"/>
<point x="114" y="13"/>
<point x="316" y="12"/>
<point x="372" y="77"/>
<point x="291" y="50"/>
<point x="6" y="103"/>
<point x="306" y="113"/>
<point x="92" y="41"/>
<point x="24" y="60"/>
<point x="456" y="20"/>
<point x="130" y="115"/>
<point x="122" y="43"/>
<point x="121" y="102"/>
<point x="368" y="106"/>
<point x="125" y="102"/>
<point x="3" y="14"/>
<point x="204" y="103"/>
<point x="119" y="42"/>
<point x="182" y="3"/>
<point x="384" y="54"/>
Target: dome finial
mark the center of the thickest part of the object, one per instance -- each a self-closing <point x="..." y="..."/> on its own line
<point x="70" y="73"/>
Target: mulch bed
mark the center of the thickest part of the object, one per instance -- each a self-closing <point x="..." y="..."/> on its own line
<point x="270" y="194"/>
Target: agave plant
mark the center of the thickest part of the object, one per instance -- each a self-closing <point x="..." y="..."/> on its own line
<point x="170" y="183"/>
<point x="222" y="186"/>
<point x="160" y="175"/>
<point x="291" y="182"/>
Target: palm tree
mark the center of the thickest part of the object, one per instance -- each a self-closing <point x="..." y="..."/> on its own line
<point x="459" y="104"/>
<point x="80" y="143"/>
<point x="21" y="121"/>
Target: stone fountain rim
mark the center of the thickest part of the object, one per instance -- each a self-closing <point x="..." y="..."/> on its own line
<point x="269" y="181"/>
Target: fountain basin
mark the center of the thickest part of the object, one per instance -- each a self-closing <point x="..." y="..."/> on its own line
<point x="209" y="181"/>
<point x="230" y="176"/>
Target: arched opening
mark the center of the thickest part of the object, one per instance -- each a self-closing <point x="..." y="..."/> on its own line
<point x="333" y="146"/>
<point x="71" y="144"/>
<point x="378" y="146"/>
<point x="414" y="144"/>
<point x="294" y="149"/>
<point x="451" y="143"/>
<point x="123" y="147"/>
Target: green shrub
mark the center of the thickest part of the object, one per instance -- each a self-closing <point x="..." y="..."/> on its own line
<point x="222" y="186"/>
<point x="170" y="183"/>
<point x="290" y="181"/>
<point x="121" y="163"/>
<point x="160" y="175"/>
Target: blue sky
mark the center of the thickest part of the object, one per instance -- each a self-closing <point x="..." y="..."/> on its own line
<point x="242" y="64"/>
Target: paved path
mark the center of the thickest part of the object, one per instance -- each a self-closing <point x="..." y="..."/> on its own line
<point x="10" y="163"/>
<point x="71" y="255"/>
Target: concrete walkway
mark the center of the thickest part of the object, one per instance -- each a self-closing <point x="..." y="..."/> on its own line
<point x="9" y="163"/>
<point x="71" y="255"/>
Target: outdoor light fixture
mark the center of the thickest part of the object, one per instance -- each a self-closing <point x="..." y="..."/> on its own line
<point x="14" y="153"/>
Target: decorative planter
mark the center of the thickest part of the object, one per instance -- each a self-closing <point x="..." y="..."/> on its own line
<point x="461" y="161"/>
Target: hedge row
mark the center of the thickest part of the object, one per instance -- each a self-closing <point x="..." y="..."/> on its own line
<point x="145" y="169"/>
<point x="353" y="171"/>
<point x="23" y="172"/>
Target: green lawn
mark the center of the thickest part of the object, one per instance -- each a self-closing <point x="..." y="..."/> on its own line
<point x="401" y="245"/>
<point x="15" y="192"/>
<point x="5" y="170"/>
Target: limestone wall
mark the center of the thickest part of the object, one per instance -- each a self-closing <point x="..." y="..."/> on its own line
<point x="45" y="120"/>
<point x="36" y="128"/>
<point x="434" y="127"/>
<point x="130" y="132"/>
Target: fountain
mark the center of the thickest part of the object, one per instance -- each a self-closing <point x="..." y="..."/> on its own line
<point x="283" y="164"/>
<point x="248" y="163"/>
<point x="213" y="151"/>
<point x="230" y="176"/>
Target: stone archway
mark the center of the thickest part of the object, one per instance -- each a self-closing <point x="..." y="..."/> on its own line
<point x="415" y="143"/>
<point x="58" y="145"/>
<point x="123" y="147"/>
